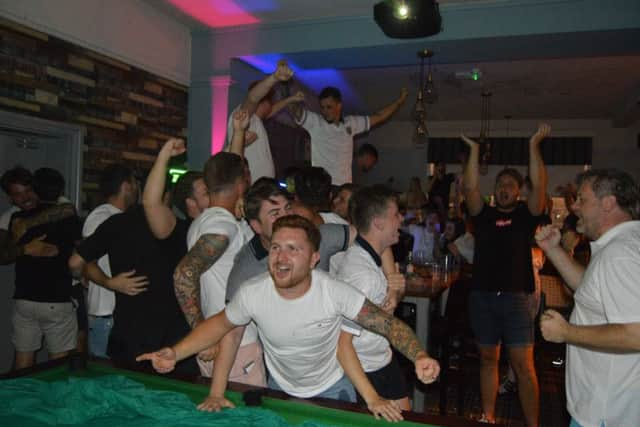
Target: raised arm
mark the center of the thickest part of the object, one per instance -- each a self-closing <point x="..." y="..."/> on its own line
<point x="240" y="121"/>
<point x="352" y="367"/>
<point x="186" y="278"/>
<point x="295" y="99"/>
<point x="548" y="239"/>
<point x="470" y="185"/>
<point x="537" y="171"/>
<point x="160" y="218"/>
<point x="259" y="91"/>
<point x="401" y="337"/>
<point x="384" y="114"/>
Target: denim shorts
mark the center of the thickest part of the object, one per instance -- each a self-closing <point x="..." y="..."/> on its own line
<point x="502" y="317"/>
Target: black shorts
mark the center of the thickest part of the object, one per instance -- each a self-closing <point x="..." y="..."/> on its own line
<point x="389" y="381"/>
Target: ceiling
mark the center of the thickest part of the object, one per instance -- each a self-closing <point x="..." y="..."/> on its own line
<point x="597" y="81"/>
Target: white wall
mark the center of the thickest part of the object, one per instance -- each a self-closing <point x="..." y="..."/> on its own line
<point x="129" y="30"/>
<point x="401" y="159"/>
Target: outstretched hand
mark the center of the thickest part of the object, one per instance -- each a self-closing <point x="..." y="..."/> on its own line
<point x="163" y="361"/>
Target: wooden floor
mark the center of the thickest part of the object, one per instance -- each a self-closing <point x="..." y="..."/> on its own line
<point x="508" y="412"/>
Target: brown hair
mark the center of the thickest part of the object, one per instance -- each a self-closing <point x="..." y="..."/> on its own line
<point x="296" y="221"/>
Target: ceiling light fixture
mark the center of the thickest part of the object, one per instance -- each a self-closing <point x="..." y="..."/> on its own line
<point x="421" y="134"/>
<point x="485" y="129"/>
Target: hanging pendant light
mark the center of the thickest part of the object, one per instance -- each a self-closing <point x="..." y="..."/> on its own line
<point x="421" y="133"/>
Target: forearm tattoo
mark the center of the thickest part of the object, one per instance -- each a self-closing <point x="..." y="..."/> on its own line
<point x="186" y="278"/>
<point x="397" y="332"/>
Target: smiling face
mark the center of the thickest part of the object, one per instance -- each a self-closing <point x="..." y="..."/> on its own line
<point x="291" y="260"/>
<point x="22" y="196"/>
<point x="330" y="109"/>
<point x="589" y="210"/>
<point x="390" y="223"/>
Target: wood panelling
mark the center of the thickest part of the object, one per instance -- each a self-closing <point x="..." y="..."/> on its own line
<point x="128" y="112"/>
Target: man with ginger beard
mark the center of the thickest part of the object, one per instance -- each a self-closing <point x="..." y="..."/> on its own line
<point x="298" y="311"/>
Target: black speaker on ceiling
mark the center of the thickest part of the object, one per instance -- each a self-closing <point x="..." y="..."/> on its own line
<point x="421" y="18"/>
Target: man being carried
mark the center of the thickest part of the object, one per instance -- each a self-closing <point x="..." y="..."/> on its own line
<point x="332" y="134"/>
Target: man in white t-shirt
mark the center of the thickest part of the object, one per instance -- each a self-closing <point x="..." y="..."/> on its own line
<point x="332" y="134"/>
<point x="374" y="211"/>
<point x="259" y="107"/>
<point x="213" y="239"/>
<point x="298" y="312"/>
<point x="119" y="187"/>
<point x="603" y="334"/>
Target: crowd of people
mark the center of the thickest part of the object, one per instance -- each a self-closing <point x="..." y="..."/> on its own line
<point x="233" y="276"/>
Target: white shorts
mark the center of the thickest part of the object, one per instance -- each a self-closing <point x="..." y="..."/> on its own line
<point x="56" y="321"/>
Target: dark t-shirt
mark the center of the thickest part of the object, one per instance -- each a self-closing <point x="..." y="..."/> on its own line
<point x="502" y="256"/>
<point x="47" y="279"/>
<point x="153" y="318"/>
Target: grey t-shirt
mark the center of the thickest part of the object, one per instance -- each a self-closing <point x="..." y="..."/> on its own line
<point x="252" y="259"/>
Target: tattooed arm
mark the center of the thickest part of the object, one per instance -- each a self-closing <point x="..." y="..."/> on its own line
<point x="19" y="226"/>
<point x="186" y="278"/>
<point x="401" y="337"/>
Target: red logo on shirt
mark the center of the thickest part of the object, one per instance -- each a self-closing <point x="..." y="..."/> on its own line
<point x="503" y="223"/>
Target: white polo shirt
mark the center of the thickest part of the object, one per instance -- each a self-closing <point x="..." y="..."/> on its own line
<point x="361" y="268"/>
<point x="604" y="386"/>
<point x="299" y="336"/>
<point x="100" y="301"/>
<point x="332" y="143"/>
<point x="258" y="153"/>
<point x="332" y="218"/>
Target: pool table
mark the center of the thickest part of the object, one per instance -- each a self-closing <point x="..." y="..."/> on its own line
<point x="294" y="411"/>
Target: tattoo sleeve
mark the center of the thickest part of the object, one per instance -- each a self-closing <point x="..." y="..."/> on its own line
<point x="54" y="213"/>
<point x="186" y="278"/>
<point x="397" y="332"/>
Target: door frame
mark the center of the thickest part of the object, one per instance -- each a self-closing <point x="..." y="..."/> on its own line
<point x="69" y="133"/>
